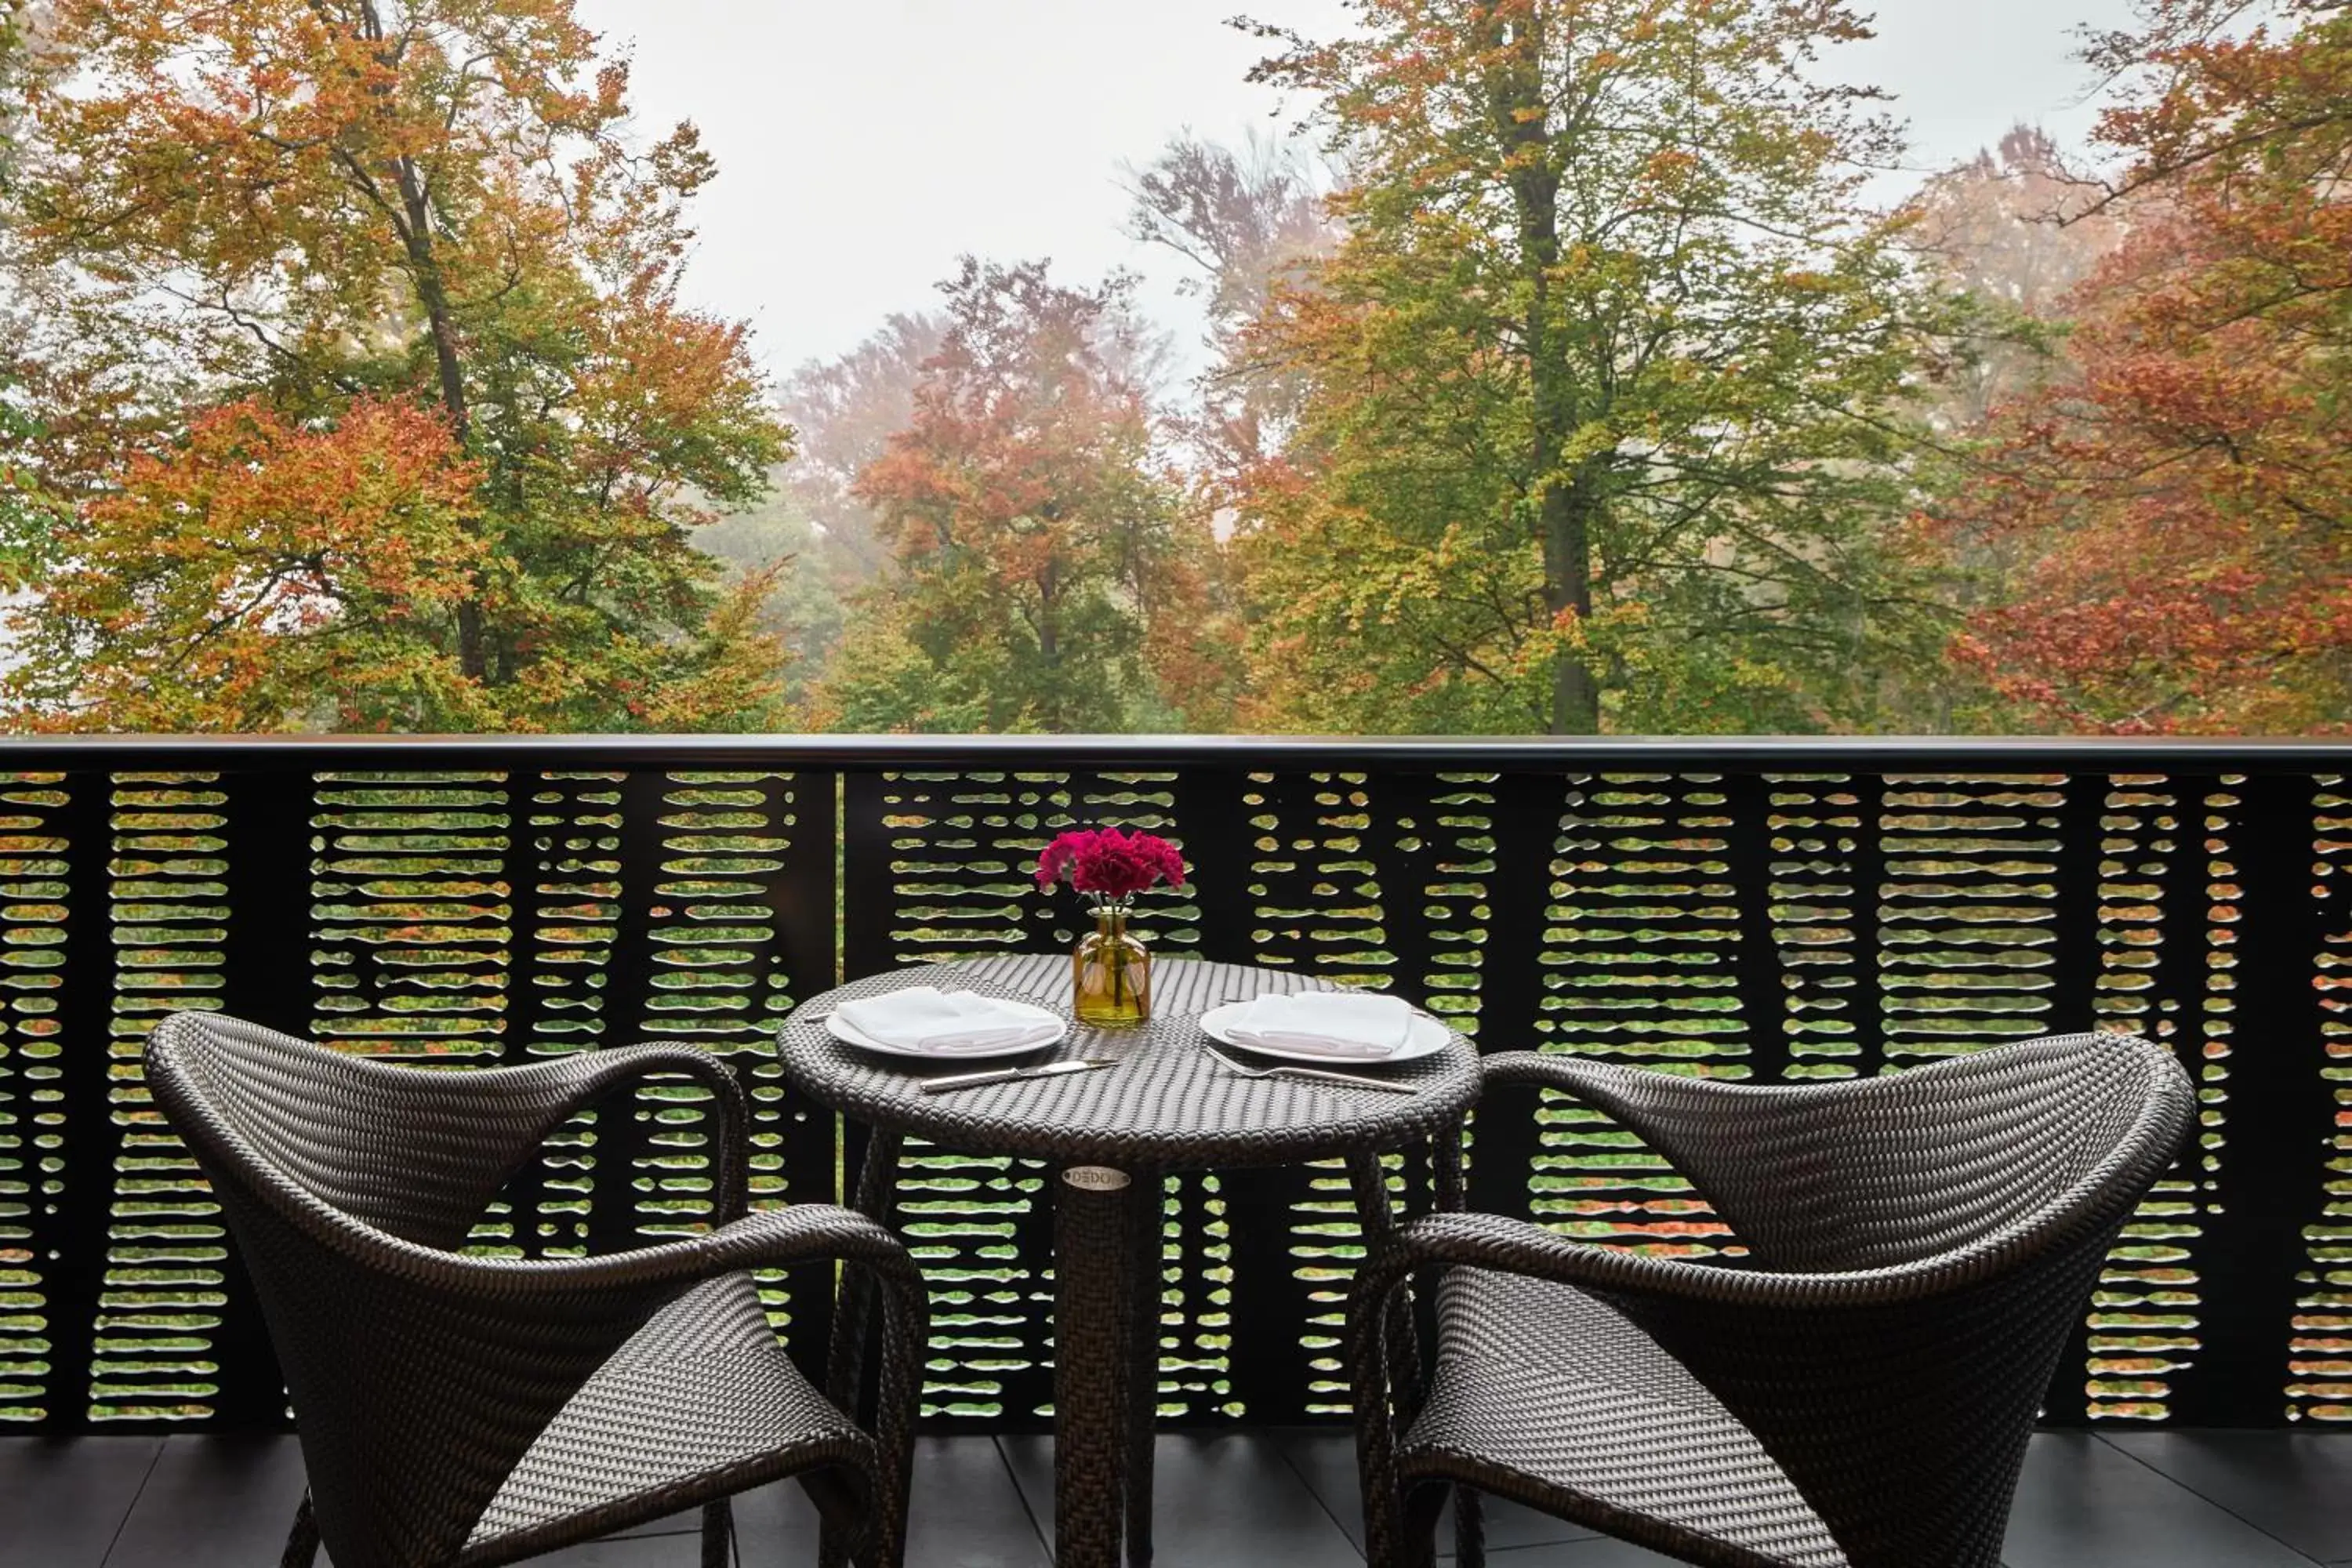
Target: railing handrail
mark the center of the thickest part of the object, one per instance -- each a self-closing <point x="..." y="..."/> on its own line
<point x="1869" y="754"/>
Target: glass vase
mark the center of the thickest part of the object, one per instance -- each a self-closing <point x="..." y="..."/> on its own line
<point x="1110" y="974"/>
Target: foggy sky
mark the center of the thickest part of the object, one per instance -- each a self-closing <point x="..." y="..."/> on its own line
<point x="865" y="144"/>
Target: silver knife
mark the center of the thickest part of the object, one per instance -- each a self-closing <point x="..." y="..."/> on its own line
<point x="1009" y="1075"/>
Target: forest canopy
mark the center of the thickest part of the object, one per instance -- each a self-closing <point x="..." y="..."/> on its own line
<point x="1568" y="366"/>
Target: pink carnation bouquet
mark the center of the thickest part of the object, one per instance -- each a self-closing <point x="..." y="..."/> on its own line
<point x="1110" y="866"/>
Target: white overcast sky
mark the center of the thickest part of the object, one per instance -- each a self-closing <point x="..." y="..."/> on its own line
<point x="865" y="144"/>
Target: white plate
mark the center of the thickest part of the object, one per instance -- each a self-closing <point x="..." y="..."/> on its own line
<point x="1425" y="1037"/>
<point x="840" y="1028"/>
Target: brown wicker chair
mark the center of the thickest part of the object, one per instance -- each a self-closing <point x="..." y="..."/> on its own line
<point x="1859" y="1392"/>
<point x="466" y="1410"/>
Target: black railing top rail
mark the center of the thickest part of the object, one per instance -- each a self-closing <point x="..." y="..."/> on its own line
<point x="1867" y="753"/>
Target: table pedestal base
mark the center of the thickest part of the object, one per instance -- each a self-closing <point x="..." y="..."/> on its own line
<point x="1098" y="1484"/>
<point x="1107" y="1298"/>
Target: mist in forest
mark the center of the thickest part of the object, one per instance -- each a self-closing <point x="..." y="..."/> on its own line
<point x="865" y="148"/>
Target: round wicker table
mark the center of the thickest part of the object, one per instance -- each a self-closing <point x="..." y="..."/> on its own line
<point x="1112" y="1133"/>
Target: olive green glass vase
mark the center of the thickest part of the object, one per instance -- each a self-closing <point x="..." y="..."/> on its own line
<point x="1110" y="974"/>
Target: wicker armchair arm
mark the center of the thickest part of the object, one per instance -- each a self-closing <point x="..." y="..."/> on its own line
<point x="1763" y="1156"/>
<point x="415" y="1152"/>
<point x="1515" y="1246"/>
<point x="574" y="1082"/>
<point x="770" y="1238"/>
<point x="1955" y="1164"/>
<point x="780" y="1239"/>
<point x="1629" y="1093"/>
<point x="472" y="1312"/>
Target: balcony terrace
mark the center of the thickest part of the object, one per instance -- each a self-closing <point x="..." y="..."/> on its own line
<point x="1767" y="910"/>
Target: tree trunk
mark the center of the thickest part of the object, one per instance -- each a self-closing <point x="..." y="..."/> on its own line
<point x="424" y="273"/>
<point x="425" y="268"/>
<point x="1565" y="506"/>
<point x="1568" y="588"/>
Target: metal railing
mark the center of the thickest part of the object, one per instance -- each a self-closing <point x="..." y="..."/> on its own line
<point x="1775" y="909"/>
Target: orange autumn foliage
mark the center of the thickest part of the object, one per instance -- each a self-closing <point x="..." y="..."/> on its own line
<point x="368" y="312"/>
<point x="2179" y="491"/>
<point x="255" y="575"/>
<point x="1050" y="572"/>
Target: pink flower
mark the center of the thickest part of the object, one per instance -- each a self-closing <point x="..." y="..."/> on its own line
<point x="1109" y="863"/>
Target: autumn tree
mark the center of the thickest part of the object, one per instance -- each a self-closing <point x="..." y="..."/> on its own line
<point x="2180" y="494"/>
<point x="327" y="540"/>
<point x="811" y="534"/>
<point x="17" y="29"/>
<point x="2017" y="230"/>
<point x="844" y="411"/>
<point x="1609" y="375"/>
<point x="1248" y="224"/>
<point x="1041" y="553"/>
<point x="283" y="256"/>
<point x="2012" y="232"/>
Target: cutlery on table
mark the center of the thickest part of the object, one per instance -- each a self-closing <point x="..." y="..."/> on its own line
<point x="1318" y="1074"/>
<point x="1417" y="1012"/>
<point x="1013" y="1075"/>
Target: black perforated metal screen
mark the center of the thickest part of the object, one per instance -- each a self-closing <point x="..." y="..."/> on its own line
<point x="1765" y="910"/>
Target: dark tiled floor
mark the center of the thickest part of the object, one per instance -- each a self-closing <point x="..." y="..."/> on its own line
<point x="2122" y="1499"/>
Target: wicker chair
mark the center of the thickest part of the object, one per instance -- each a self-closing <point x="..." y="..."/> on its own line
<point x="468" y="1410"/>
<point x="1858" y="1393"/>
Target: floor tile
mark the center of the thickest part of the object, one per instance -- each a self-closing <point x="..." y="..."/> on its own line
<point x="964" y="1512"/>
<point x="687" y="1521"/>
<point x="61" y="1502"/>
<point x="2087" y="1500"/>
<point x="775" y="1524"/>
<point x="214" y="1502"/>
<point x="227" y="1501"/>
<point x="194" y="1501"/>
<point x="2296" y="1486"/>
<point x="1325" y="1457"/>
<point x="676" y="1545"/>
<point x="628" y="1552"/>
<point x="1229" y="1498"/>
<point x="1598" y="1552"/>
<point x="2083" y="1503"/>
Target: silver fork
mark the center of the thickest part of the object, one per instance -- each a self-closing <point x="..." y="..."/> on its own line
<point x="1417" y="1012"/>
<point x="1287" y="1070"/>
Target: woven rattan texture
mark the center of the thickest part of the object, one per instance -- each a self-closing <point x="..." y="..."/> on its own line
<point x="1929" y="1243"/>
<point x="1547" y="1382"/>
<point x="1168" y="1105"/>
<point x="459" y="1408"/>
<point x="701" y="1392"/>
<point x="1091" y="1391"/>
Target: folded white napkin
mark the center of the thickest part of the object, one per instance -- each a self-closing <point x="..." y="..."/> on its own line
<point x="1353" y="1024"/>
<point x="946" y="1023"/>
